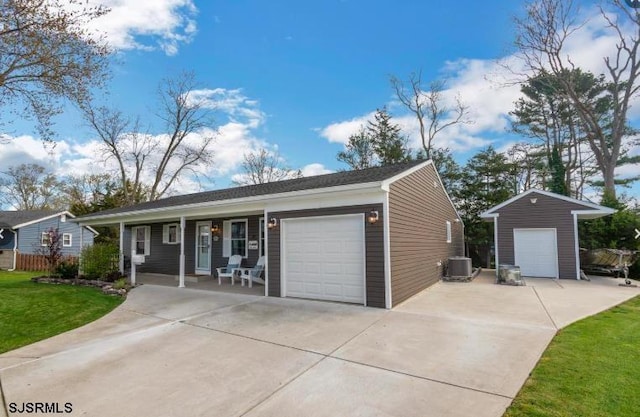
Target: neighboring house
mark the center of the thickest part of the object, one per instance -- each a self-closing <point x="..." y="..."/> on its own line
<point x="374" y="237"/>
<point x="26" y="232"/>
<point x="538" y="231"/>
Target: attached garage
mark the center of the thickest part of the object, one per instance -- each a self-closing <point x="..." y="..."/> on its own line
<point x="538" y="231"/>
<point x="536" y="252"/>
<point x="324" y="258"/>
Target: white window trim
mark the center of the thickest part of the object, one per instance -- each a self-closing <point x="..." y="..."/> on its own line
<point x="226" y="237"/>
<point x="165" y="233"/>
<point x="261" y="236"/>
<point x="448" y="231"/>
<point x="42" y="239"/>
<point x="147" y="239"/>
<point x="64" y="237"/>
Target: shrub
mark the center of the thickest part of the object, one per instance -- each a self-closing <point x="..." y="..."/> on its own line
<point x="99" y="261"/>
<point x="67" y="270"/>
<point x="120" y="284"/>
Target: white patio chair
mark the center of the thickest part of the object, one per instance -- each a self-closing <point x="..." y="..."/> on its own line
<point x="255" y="274"/>
<point x="229" y="270"/>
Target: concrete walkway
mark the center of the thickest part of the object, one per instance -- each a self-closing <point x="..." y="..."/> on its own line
<point x="453" y="350"/>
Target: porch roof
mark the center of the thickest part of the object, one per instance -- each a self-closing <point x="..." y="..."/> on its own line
<point x="328" y="182"/>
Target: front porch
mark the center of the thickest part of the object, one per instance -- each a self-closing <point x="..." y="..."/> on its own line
<point x="207" y="283"/>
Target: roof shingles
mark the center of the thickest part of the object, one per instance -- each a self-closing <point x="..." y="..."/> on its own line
<point x="15" y="218"/>
<point x="306" y="183"/>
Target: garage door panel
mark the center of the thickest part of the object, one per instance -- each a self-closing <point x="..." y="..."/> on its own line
<point x="323" y="258"/>
<point x="536" y="252"/>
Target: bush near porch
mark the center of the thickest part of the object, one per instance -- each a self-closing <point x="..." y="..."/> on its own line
<point x="30" y="312"/>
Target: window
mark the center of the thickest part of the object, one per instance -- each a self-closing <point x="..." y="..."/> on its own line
<point x="141" y="240"/>
<point x="235" y="238"/>
<point x="448" y="231"/>
<point x="261" y="236"/>
<point x="171" y="233"/>
<point x="67" y="240"/>
<point x="45" y="239"/>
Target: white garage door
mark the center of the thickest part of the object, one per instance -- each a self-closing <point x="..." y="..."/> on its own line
<point x="323" y="258"/>
<point x="536" y="252"/>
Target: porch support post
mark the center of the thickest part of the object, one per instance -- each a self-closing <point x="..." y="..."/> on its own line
<point x="121" y="260"/>
<point x="182" y="231"/>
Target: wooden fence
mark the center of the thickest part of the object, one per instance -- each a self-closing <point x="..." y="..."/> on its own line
<point x="30" y="262"/>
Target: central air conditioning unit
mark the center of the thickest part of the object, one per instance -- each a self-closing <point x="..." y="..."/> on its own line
<point x="459" y="269"/>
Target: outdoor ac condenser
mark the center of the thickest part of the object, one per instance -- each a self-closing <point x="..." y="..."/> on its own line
<point x="459" y="266"/>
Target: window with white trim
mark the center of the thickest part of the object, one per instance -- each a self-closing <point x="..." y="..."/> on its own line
<point x="67" y="240"/>
<point x="171" y="233"/>
<point x="235" y="238"/>
<point x="448" y="231"/>
<point x="141" y="240"/>
<point x="45" y="239"/>
<point x="261" y="226"/>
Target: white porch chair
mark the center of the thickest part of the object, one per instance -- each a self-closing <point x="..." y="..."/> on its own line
<point x="229" y="270"/>
<point x="254" y="274"/>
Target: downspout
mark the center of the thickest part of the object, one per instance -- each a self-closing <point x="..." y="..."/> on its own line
<point x="15" y="250"/>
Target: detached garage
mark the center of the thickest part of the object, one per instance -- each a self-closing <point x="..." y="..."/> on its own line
<point x="538" y="231"/>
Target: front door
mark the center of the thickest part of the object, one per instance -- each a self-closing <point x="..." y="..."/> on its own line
<point x="203" y="248"/>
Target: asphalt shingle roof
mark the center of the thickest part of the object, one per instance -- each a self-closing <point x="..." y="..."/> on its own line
<point x="13" y="218"/>
<point x="306" y="183"/>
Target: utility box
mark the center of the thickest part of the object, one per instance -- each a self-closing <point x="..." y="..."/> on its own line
<point x="510" y="275"/>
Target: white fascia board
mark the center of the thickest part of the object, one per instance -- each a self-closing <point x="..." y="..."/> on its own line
<point x="344" y="198"/>
<point x="487" y="215"/>
<point x="603" y="210"/>
<point x="389" y="181"/>
<point x="246" y="204"/>
<point x="51" y="216"/>
<point x="593" y="214"/>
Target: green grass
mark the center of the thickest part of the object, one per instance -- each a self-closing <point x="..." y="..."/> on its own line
<point x="591" y="368"/>
<point x="30" y="312"/>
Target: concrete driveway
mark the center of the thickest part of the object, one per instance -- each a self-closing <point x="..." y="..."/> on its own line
<point x="453" y="350"/>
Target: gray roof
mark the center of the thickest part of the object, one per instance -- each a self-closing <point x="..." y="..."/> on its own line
<point x="12" y="219"/>
<point x="306" y="183"/>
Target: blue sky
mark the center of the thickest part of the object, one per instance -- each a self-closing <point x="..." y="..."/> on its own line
<point x="299" y="77"/>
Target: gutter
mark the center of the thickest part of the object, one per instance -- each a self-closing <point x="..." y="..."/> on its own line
<point x="15" y="249"/>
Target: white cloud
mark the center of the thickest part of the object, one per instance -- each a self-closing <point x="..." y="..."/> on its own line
<point x="147" y="24"/>
<point x="339" y="132"/>
<point x="315" y="169"/>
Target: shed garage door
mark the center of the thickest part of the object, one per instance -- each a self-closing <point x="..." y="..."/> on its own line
<point x="323" y="258"/>
<point x="536" y="252"/>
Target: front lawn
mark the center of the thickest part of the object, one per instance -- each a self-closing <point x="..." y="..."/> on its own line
<point x="591" y="369"/>
<point x="30" y="312"/>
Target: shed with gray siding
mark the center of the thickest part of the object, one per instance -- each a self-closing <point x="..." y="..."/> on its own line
<point x="374" y="237"/>
<point x="538" y="231"/>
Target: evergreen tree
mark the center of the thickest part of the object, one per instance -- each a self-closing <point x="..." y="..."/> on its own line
<point x="558" y="172"/>
<point x="389" y="145"/>
<point x="359" y="152"/>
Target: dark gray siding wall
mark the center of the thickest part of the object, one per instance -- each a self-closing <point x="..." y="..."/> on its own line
<point x="8" y="237"/>
<point x="165" y="258"/>
<point x="548" y="212"/>
<point x="418" y="212"/>
<point x="374" y="248"/>
<point x="29" y="237"/>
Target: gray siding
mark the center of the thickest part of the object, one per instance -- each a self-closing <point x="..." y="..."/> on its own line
<point x="548" y="212"/>
<point x="374" y="248"/>
<point x="418" y="211"/>
<point x="165" y="258"/>
<point x="29" y="237"/>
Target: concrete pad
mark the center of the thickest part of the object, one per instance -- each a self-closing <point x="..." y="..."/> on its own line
<point x="489" y="303"/>
<point x="580" y="299"/>
<point x="316" y="326"/>
<point x="170" y="370"/>
<point x="118" y="322"/>
<point x="489" y="357"/>
<point x="12" y="361"/>
<point x="338" y="388"/>
<point x="178" y="303"/>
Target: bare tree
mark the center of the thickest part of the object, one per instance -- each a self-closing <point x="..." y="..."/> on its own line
<point x="262" y="167"/>
<point x="428" y="105"/>
<point x="30" y="187"/>
<point x="542" y="36"/>
<point x="148" y="166"/>
<point x="359" y="152"/>
<point x="46" y="54"/>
